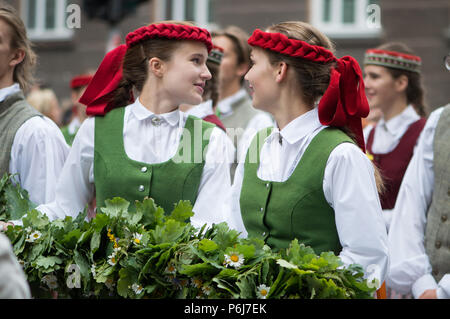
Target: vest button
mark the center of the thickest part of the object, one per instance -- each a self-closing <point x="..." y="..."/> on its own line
<point x="437" y="244"/>
<point x="264" y="234"/>
<point x="141" y="188"/>
<point x="444" y="218"/>
<point x="267" y="185"/>
<point x="143" y="169"/>
<point x="261" y="209"/>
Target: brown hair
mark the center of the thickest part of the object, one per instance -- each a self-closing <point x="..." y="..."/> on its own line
<point x="23" y="72"/>
<point x="415" y="92"/>
<point x="312" y="77"/>
<point x="212" y="85"/>
<point x="135" y="64"/>
<point x="239" y="39"/>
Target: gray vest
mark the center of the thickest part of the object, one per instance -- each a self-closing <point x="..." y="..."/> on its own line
<point x="14" y="111"/>
<point x="437" y="233"/>
<point x="243" y="112"/>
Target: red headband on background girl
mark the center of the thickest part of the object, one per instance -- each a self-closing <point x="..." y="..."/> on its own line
<point x="344" y="102"/>
<point x="98" y="94"/>
<point x="80" y="80"/>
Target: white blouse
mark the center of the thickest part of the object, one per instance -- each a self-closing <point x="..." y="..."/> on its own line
<point x="410" y="268"/>
<point x="349" y="187"/>
<point x="387" y="136"/>
<point x="151" y="138"/>
<point x="38" y="153"/>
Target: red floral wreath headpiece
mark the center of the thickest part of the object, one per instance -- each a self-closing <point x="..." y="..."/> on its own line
<point x="98" y="94"/>
<point x="344" y="102"/>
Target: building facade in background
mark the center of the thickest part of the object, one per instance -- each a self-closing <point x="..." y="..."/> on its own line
<point x="66" y="48"/>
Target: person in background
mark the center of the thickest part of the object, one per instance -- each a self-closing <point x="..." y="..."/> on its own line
<point x="235" y="108"/>
<point x="78" y="85"/>
<point x="393" y="85"/>
<point x="45" y="101"/>
<point x="420" y="229"/>
<point x="32" y="147"/>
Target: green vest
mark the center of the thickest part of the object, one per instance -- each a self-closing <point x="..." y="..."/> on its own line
<point x="116" y="175"/>
<point x="67" y="136"/>
<point x="296" y="208"/>
<point x="14" y="111"/>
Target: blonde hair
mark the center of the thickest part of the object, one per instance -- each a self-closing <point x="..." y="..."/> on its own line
<point x="23" y="72"/>
<point x="41" y="100"/>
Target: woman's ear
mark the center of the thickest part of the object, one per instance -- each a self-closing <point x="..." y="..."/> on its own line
<point x="156" y="66"/>
<point x="401" y="83"/>
<point x="17" y="57"/>
<point x="281" y="71"/>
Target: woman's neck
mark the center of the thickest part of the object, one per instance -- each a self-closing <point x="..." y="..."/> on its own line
<point x="156" y="104"/>
<point x="289" y="108"/>
<point x="395" y="108"/>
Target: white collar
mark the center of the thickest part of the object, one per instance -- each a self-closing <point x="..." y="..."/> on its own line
<point x="142" y="113"/>
<point x="7" y="91"/>
<point x="201" y="110"/>
<point x="225" y="105"/>
<point x="298" y="128"/>
<point x="395" y="124"/>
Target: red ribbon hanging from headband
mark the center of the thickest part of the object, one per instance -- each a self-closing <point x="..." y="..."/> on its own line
<point x="344" y="102"/>
<point x="105" y="81"/>
<point x="100" y="90"/>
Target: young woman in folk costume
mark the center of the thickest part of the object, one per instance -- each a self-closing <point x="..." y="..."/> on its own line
<point x="78" y="85"/>
<point x="306" y="178"/>
<point x="136" y="149"/>
<point x="393" y="85"/>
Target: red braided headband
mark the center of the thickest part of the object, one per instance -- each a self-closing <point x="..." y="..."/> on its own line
<point x="100" y="90"/>
<point x="344" y="102"/>
<point x="80" y="80"/>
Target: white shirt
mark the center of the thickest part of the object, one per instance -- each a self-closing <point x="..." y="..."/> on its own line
<point x="349" y="187"/>
<point x="38" y="153"/>
<point x="144" y="142"/>
<point x="203" y="110"/>
<point x="386" y="138"/>
<point x="257" y="123"/>
<point x="410" y="268"/>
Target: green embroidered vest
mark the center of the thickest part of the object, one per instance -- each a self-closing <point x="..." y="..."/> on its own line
<point x="295" y="208"/>
<point x="116" y="175"/>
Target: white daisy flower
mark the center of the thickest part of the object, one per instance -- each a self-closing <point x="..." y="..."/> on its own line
<point x="196" y="282"/>
<point x="207" y="290"/>
<point x="51" y="281"/>
<point x="170" y="269"/>
<point x="137" y="238"/>
<point x="34" y="236"/>
<point x="137" y="288"/>
<point x="235" y="260"/>
<point x="262" y="291"/>
<point x="28" y="229"/>
<point x="112" y="259"/>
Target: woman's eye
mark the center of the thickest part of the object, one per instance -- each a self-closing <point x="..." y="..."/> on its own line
<point x="196" y="60"/>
